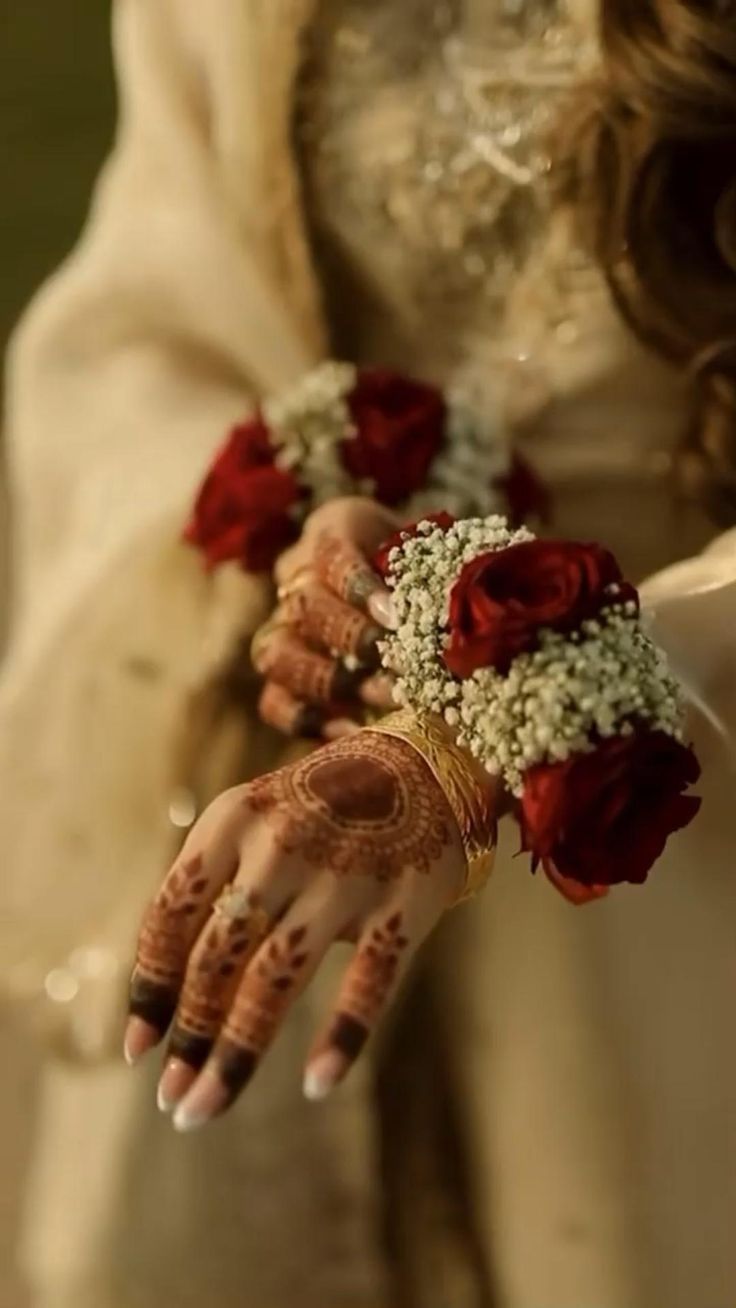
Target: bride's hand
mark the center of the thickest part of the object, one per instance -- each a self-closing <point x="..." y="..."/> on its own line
<point x="355" y="842"/>
<point x="331" y="604"/>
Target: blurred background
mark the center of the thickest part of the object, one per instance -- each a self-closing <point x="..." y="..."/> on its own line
<point x="56" y="114"/>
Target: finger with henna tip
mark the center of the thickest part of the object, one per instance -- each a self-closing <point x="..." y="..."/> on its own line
<point x="172" y="923"/>
<point x="292" y="717"/>
<point x="216" y="965"/>
<point x="282" y="967"/>
<point x="320" y="618"/>
<point x="240" y="921"/>
<point x="307" y="674"/>
<point x="343" y="568"/>
<point x="370" y="983"/>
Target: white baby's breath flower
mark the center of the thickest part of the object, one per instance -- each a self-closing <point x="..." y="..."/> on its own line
<point x="310" y="422"/>
<point x="554" y="701"/>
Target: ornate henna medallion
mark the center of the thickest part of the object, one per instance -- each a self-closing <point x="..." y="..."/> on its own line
<point x="367" y="806"/>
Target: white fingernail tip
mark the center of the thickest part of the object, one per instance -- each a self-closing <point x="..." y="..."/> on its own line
<point x="382" y="608"/>
<point x="163" y="1103"/>
<point x="188" y="1119"/>
<point x="322" y="1075"/>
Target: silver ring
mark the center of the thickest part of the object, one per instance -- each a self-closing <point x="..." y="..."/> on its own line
<point x="233" y="903"/>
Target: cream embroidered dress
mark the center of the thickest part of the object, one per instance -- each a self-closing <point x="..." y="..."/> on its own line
<point x="554" y="1119"/>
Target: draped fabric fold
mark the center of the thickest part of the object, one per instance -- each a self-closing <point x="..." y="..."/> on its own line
<point x="574" y="1042"/>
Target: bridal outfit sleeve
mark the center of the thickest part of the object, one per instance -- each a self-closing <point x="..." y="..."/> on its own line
<point x="692" y="608"/>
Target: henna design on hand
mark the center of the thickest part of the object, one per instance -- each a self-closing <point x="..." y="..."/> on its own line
<point x="214" y="973"/>
<point x="267" y="990"/>
<point x="343" y="569"/>
<point x="368" y="985"/>
<point x="308" y="675"/>
<point x="279" y="709"/>
<point x="171" y="923"/>
<point x="319" y="616"/>
<point x="367" y="806"/>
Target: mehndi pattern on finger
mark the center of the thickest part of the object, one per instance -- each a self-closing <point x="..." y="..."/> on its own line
<point x="278" y="708"/>
<point x="342" y="568"/>
<point x="264" y="995"/>
<point x="307" y="674"/>
<point x="163" y="944"/>
<point x="215" y="969"/>
<point x="316" y="615"/>
<point x="368" y="985"/>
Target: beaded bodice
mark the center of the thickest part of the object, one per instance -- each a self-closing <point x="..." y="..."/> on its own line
<point x="427" y="138"/>
<point x="427" y="133"/>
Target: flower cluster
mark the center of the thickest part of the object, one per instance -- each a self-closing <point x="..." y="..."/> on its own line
<point x="534" y="654"/>
<point x="308" y="426"/>
<point x="342" y="430"/>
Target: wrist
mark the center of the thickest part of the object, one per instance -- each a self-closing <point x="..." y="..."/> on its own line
<point x="475" y="797"/>
<point x="534" y="652"/>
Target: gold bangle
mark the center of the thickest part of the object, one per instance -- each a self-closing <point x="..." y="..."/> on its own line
<point x="472" y="800"/>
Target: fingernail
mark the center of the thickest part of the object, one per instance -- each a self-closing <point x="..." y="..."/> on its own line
<point x="381" y="607"/>
<point x="323" y="1074"/>
<point x="339" y="728"/>
<point x="176" y="1080"/>
<point x="140" y="1036"/>
<point x="207" y="1097"/>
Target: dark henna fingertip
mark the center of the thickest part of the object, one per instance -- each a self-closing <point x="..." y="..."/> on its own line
<point x="347" y="1035"/>
<point x="235" y="1066"/>
<point x="154" y="1003"/>
<point x="194" y="1050"/>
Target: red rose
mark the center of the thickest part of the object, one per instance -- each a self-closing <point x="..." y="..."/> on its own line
<point x="400" y="427"/>
<point x="501" y="600"/>
<point x="604" y="817"/>
<point x="244" y="508"/>
<point x="380" y="558"/>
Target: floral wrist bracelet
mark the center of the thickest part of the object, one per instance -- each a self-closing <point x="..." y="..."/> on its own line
<point x="534" y="655"/>
<point x="343" y="430"/>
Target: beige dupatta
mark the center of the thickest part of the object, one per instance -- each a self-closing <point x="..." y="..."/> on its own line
<point x="191" y="293"/>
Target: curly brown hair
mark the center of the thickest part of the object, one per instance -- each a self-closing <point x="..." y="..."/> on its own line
<point x="652" y="165"/>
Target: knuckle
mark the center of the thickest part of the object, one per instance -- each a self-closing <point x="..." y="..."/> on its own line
<point x="222" y="810"/>
<point x="289" y="562"/>
<point x="310" y="595"/>
<point x="333" y="515"/>
<point x="276" y="706"/>
<point x="269" y="649"/>
<point x="302" y="602"/>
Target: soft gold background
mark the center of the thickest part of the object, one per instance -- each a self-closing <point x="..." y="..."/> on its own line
<point x="56" y="104"/>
